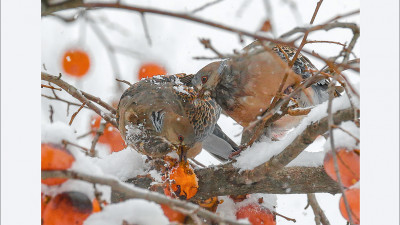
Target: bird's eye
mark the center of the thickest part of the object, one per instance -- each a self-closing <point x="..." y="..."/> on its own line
<point x="204" y="79"/>
<point x="180" y="138"/>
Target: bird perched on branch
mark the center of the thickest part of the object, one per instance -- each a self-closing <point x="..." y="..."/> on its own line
<point x="162" y="114"/>
<point x="245" y="85"/>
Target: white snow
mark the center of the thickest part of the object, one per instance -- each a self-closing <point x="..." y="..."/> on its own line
<point x="56" y="132"/>
<point x="124" y="164"/>
<point x="133" y="211"/>
<point x="181" y="89"/>
<point x="344" y="140"/>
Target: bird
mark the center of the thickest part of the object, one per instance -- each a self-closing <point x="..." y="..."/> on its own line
<point x="162" y="114"/>
<point x="245" y="84"/>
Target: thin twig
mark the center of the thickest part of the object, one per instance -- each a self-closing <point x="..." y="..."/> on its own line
<point x="207" y="45"/>
<point x="100" y="102"/>
<point x="347" y="132"/>
<point x="51" y="113"/>
<point x="145" y="28"/>
<point x="78" y="95"/>
<point x="124" y="81"/>
<point x="135" y="192"/>
<point x="333" y="149"/>
<point x="99" y="132"/>
<point x="50" y="87"/>
<point x="102" y="37"/>
<point x="65" y="143"/>
<point x="303" y="42"/>
<point x="205" y="6"/>
<point x="76" y="113"/>
<point x="320" y="216"/>
<point x="284" y="217"/>
<point x="62" y="100"/>
<point x="329" y="42"/>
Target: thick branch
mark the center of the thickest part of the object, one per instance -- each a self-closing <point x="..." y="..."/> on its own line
<point x="78" y="95"/>
<point x="302" y="141"/>
<point x="134" y="192"/>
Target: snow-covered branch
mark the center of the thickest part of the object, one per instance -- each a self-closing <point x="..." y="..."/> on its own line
<point x="301" y="142"/>
<point x="135" y="192"/>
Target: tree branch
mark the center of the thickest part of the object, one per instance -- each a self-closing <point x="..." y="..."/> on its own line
<point x="134" y="192"/>
<point x="301" y="142"/>
<point x="320" y="216"/>
<point x="79" y="95"/>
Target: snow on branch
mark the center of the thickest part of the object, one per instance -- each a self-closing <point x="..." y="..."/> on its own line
<point x="135" y="192"/>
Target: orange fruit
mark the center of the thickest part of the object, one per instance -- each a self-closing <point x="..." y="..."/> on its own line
<point x="111" y="135"/>
<point x="172" y="215"/>
<point x="348" y="164"/>
<point x="45" y="200"/>
<point x="55" y="158"/>
<point x="67" y="208"/>
<point x="210" y="204"/>
<point x="184" y="182"/>
<point x="150" y="69"/>
<point x="256" y="214"/>
<point x="353" y="198"/>
<point x="96" y="205"/>
<point x="76" y="62"/>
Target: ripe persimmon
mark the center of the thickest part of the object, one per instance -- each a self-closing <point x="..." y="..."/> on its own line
<point x="183" y="181"/>
<point x="96" y="205"/>
<point x="353" y="198"/>
<point x="111" y="136"/>
<point x="348" y="164"/>
<point x="76" y="62"/>
<point x="55" y="158"/>
<point x="67" y="208"/>
<point x="44" y="201"/>
<point x="150" y="69"/>
<point x="256" y="214"/>
<point x="173" y="215"/>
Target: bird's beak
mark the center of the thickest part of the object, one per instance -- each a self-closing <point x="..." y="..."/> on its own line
<point x="182" y="152"/>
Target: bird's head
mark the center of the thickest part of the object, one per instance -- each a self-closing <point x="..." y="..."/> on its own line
<point x="206" y="80"/>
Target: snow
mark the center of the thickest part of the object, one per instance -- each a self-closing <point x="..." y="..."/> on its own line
<point x="264" y="150"/>
<point x="56" y="132"/>
<point x="124" y="164"/>
<point x="134" y="133"/>
<point x="344" y="140"/>
<point x="181" y="89"/>
<point x="133" y="211"/>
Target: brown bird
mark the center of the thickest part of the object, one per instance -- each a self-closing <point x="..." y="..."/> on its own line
<point x="244" y="85"/>
<point x="162" y="114"/>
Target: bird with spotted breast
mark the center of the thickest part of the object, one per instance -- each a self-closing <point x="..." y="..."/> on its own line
<point x="162" y="114"/>
<point x="244" y="85"/>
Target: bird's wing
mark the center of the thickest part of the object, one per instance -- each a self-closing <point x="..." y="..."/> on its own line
<point x="219" y="144"/>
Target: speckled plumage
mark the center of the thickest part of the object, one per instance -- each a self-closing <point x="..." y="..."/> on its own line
<point x="160" y="114"/>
